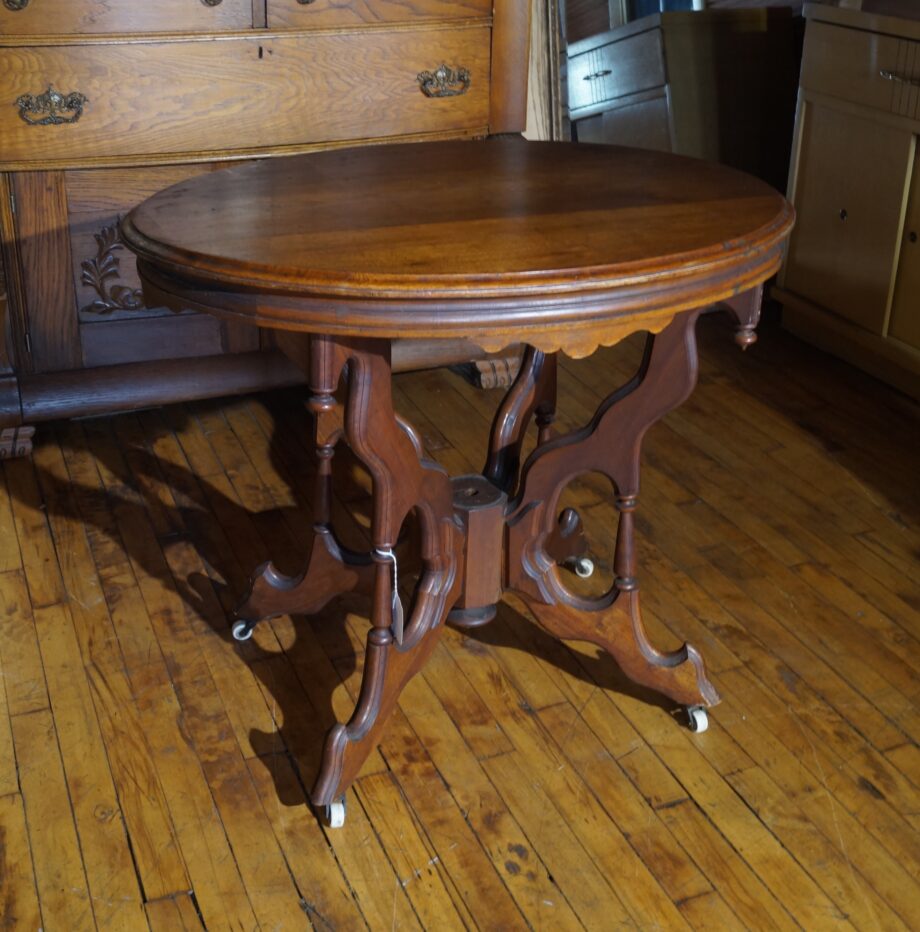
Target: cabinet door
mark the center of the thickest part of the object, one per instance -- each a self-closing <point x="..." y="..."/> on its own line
<point x="905" y="310"/>
<point x="849" y="196"/>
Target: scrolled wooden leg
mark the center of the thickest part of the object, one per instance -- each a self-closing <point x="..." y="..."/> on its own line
<point x="533" y="393"/>
<point x="610" y="444"/>
<point x="330" y="571"/>
<point x="402" y="481"/>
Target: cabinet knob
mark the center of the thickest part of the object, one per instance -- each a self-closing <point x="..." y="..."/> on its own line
<point x="15" y="4"/>
<point x="898" y="78"/>
<point x="843" y="213"/>
<point x="912" y="236"/>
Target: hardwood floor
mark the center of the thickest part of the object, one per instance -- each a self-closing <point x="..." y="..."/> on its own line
<point x="152" y="770"/>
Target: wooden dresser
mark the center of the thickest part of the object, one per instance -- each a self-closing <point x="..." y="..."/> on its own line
<point x="716" y="84"/>
<point x="851" y="282"/>
<point x="104" y="102"/>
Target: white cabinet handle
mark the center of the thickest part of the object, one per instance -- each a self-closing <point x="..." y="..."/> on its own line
<point x="898" y="78"/>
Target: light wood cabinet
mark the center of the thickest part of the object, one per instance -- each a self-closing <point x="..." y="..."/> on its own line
<point x="104" y="102"/>
<point x="851" y="280"/>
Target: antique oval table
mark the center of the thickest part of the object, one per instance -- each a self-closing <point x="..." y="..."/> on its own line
<point x="557" y="246"/>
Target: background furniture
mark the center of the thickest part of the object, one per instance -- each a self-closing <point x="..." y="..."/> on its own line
<point x="716" y="84"/>
<point x="104" y="102"/>
<point x="491" y="247"/>
<point x="851" y="282"/>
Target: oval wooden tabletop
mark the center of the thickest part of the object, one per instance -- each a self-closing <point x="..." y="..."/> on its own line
<point x="467" y="238"/>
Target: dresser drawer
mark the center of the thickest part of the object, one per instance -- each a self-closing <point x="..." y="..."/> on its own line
<point x="123" y="100"/>
<point x="616" y="69"/>
<point x="878" y="71"/>
<point x="69" y="17"/>
<point x="307" y="14"/>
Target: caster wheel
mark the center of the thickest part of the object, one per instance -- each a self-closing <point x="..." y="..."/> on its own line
<point x="699" y="718"/>
<point x="334" y="814"/>
<point x="242" y="630"/>
<point x="584" y="567"/>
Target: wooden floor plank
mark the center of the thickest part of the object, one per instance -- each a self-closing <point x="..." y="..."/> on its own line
<point x="418" y="869"/>
<point x="370" y="874"/>
<point x="522" y="782"/>
<point x="484" y="896"/>
<point x="60" y="876"/>
<point x="39" y="559"/>
<point x="212" y="867"/>
<point x="175" y="914"/>
<point x="24" y="676"/>
<point x="18" y="894"/>
<point x="327" y="899"/>
<point x="97" y="806"/>
<point x="533" y="888"/>
<point x="863" y="905"/>
<point x="10" y="557"/>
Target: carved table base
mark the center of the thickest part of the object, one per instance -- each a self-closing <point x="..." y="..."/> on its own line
<point x="480" y="535"/>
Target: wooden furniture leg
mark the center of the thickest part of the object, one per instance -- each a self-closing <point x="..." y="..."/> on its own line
<point x="533" y="396"/>
<point x="403" y="481"/>
<point x="610" y="444"/>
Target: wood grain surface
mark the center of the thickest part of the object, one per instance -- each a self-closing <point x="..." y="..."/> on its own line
<point x="521" y="782"/>
<point x="485" y="240"/>
<point x="271" y="90"/>
<point x="286" y="14"/>
<point x="83" y="17"/>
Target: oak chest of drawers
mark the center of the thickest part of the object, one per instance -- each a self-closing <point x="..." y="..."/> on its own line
<point x="104" y="102"/>
<point x="851" y="281"/>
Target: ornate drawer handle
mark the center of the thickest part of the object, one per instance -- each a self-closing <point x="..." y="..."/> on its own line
<point x="15" y="4"/>
<point x="51" y="108"/>
<point x="898" y="78"/>
<point x="444" y="82"/>
<point x="596" y="75"/>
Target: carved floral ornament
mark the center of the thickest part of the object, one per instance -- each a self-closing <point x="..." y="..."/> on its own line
<point x="98" y="273"/>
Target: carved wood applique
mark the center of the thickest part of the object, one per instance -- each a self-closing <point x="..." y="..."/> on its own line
<point x="102" y="274"/>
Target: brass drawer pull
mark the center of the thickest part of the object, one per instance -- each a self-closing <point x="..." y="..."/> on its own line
<point x="15" y="4"/>
<point x="444" y="82"/>
<point x="51" y="108"/>
<point x="596" y="75"/>
<point x="898" y="78"/>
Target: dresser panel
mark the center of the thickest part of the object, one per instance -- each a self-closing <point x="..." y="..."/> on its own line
<point x="75" y="17"/>
<point x="136" y="99"/>
<point x="298" y="14"/>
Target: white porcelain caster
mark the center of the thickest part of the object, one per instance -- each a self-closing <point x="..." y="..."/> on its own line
<point x="584" y="567"/>
<point x="242" y="630"/>
<point x="334" y="814"/>
<point x="699" y="718"/>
